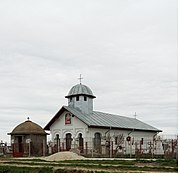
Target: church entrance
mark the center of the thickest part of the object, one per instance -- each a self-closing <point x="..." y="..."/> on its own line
<point x="81" y="143"/>
<point x="68" y="141"/>
<point x="18" y="148"/>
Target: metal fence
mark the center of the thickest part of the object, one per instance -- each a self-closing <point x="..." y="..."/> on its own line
<point x="23" y="149"/>
<point x="158" y="147"/>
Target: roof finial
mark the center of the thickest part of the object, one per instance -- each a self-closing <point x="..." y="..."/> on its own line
<point x="135" y="115"/>
<point x="28" y="118"/>
<point x="80" y="78"/>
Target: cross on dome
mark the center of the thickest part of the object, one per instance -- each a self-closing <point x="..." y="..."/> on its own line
<point x="80" y="78"/>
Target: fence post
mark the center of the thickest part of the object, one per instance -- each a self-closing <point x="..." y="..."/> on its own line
<point x="58" y="145"/>
<point x="153" y="150"/>
<point x="130" y="149"/>
<point x="111" y="149"/>
<point x="86" y="148"/>
<point x="63" y="146"/>
<point x="29" y="149"/>
<point x="44" y="148"/>
<point x="92" y="147"/>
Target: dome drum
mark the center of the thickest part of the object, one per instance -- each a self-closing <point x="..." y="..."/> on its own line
<point x="81" y="97"/>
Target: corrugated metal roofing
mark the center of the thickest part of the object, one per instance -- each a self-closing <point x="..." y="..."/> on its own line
<point x="80" y="89"/>
<point x="110" y="120"/>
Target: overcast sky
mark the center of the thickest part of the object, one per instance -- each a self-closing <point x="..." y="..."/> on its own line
<point x="126" y="51"/>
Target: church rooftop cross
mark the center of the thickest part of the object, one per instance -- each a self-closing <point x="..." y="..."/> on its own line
<point x="135" y="115"/>
<point x="80" y="78"/>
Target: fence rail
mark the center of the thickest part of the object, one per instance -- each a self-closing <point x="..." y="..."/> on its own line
<point x="159" y="147"/>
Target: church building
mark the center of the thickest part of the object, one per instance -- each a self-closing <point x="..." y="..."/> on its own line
<point x="78" y="126"/>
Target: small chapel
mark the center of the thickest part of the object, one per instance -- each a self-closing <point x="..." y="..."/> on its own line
<point x="28" y="139"/>
<point x="78" y="126"/>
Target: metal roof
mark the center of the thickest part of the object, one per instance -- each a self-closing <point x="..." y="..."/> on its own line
<point x="80" y="89"/>
<point x="100" y="119"/>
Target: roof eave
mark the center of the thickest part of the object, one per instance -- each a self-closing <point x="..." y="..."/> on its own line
<point x="26" y="133"/>
<point x="47" y="127"/>
<point x="92" y="96"/>
<point x="123" y="128"/>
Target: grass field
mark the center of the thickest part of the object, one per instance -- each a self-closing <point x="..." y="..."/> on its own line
<point x="11" y="165"/>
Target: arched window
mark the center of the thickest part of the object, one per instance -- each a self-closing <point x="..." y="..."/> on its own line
<point x="68" y="141"/>
<point x="97" y="142"/>
<point x="57" y="136"/>
<point x="81" y="142"/>
<point x="57" y="140"/>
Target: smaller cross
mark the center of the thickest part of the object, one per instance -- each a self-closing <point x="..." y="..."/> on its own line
<point x="135" y="115"/>
<point x="80" y="78"/>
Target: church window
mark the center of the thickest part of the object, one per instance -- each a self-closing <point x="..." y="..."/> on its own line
<point x="97" y="142"/>
<point x="57" y="140"/>
<point x="77" y="98"/>
<point x="85" y="98"/>
<point x="81" y="143"/>
<point x="70" y="99"/>
<point x="57" y="136"/>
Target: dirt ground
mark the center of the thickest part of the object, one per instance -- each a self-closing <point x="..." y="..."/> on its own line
<point x="71" y="162"/>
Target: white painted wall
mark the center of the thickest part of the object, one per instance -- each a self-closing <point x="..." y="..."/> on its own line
<point x="136" y="137"/>
<point x="59" y="127"/>
<point x="77" y="126"/>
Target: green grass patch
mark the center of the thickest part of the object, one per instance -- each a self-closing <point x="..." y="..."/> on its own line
<point x="15" y="169"/>
<point x="109" y="165"/>
<point x="167" y="162"/>
<point x="112" y="162"/>
<point x="101" y="166"/>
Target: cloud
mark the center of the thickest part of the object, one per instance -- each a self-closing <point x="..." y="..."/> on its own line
<point x="125" y="50"/>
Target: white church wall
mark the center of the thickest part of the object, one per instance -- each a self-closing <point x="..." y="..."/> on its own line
<point x="77" y="126"/>
<point x="139" y="140"/>
<point x="74" y="128"/>
<point x="113" y="132"/>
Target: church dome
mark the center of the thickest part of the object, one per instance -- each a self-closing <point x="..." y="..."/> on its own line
<point x="28" y="127"/>
<point x="80" y="89"/>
